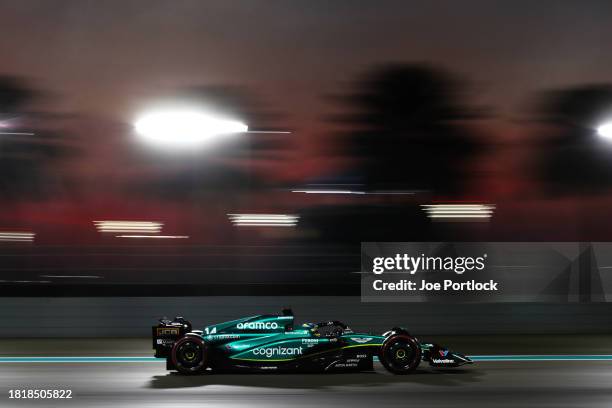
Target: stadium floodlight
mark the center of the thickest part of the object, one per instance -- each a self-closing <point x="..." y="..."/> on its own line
<point x="184" y="128"/>
<point x="605" y="130"/>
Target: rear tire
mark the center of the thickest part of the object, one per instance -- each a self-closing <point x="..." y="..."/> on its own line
<point x="189" y="355"/>
<point x="400" y="354"/>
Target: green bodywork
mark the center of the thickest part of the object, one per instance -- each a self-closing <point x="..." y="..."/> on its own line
<point x="267" y="338"/>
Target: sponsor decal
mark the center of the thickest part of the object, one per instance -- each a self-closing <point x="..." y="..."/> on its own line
<point x="443" y="361"/>
<point x="361" y="340"/>
<point x="345" y="365"/>
<point x="225" y="336"/>
<point x="443" y="353"/>
<point x="310" y="341"/>
<point x="168" y="331"/>
<point x="241" y="346"/>
<point x="257" y="325"/>
<point x="277" y="351"/>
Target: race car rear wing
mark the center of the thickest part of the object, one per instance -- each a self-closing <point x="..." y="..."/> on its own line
<point x="166" y="332"/>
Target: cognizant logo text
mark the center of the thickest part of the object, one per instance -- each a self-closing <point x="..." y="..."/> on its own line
<point x="277" y="351"/>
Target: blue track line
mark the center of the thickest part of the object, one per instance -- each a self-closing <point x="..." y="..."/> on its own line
<point x="478" y="358"/>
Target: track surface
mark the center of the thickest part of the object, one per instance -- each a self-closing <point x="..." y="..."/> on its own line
<point x="500" y="384"/>
<point x="145" y="383"/>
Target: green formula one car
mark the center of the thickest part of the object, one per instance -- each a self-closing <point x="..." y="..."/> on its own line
<point x="267" y="343"/>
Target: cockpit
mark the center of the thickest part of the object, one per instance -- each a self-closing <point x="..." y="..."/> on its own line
<point x="327" y="329"/>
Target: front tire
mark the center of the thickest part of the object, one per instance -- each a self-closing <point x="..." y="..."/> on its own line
<point x="400" y="354"/>
<point x="189" y="355"/>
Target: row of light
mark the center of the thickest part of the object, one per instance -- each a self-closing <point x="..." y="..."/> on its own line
<point x="353" y="192"/>
<point x="459" y="211"/>
<point x="143" y="227"/>
<point x="135" y="229"/>
<point x="151" y="229"/>
<point x="187" y="127"/>
<point x="154" y="236"/>
<point x="7" y="236"/>
<point x="264" y="220"/>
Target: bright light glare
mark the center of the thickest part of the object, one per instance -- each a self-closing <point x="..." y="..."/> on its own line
<point x="328" y="192"/>
<point x="605" y="130"/>
<point x="146" y="227"/>
<point x="458" y="212"/>
<point x="155" y="236"/>
<point x="185" y="128"/>
<point x="264" y="220"/>
<point x="8" y="236"/>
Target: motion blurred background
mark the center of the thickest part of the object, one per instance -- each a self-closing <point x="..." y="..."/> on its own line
<point x="367" y="121"/>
